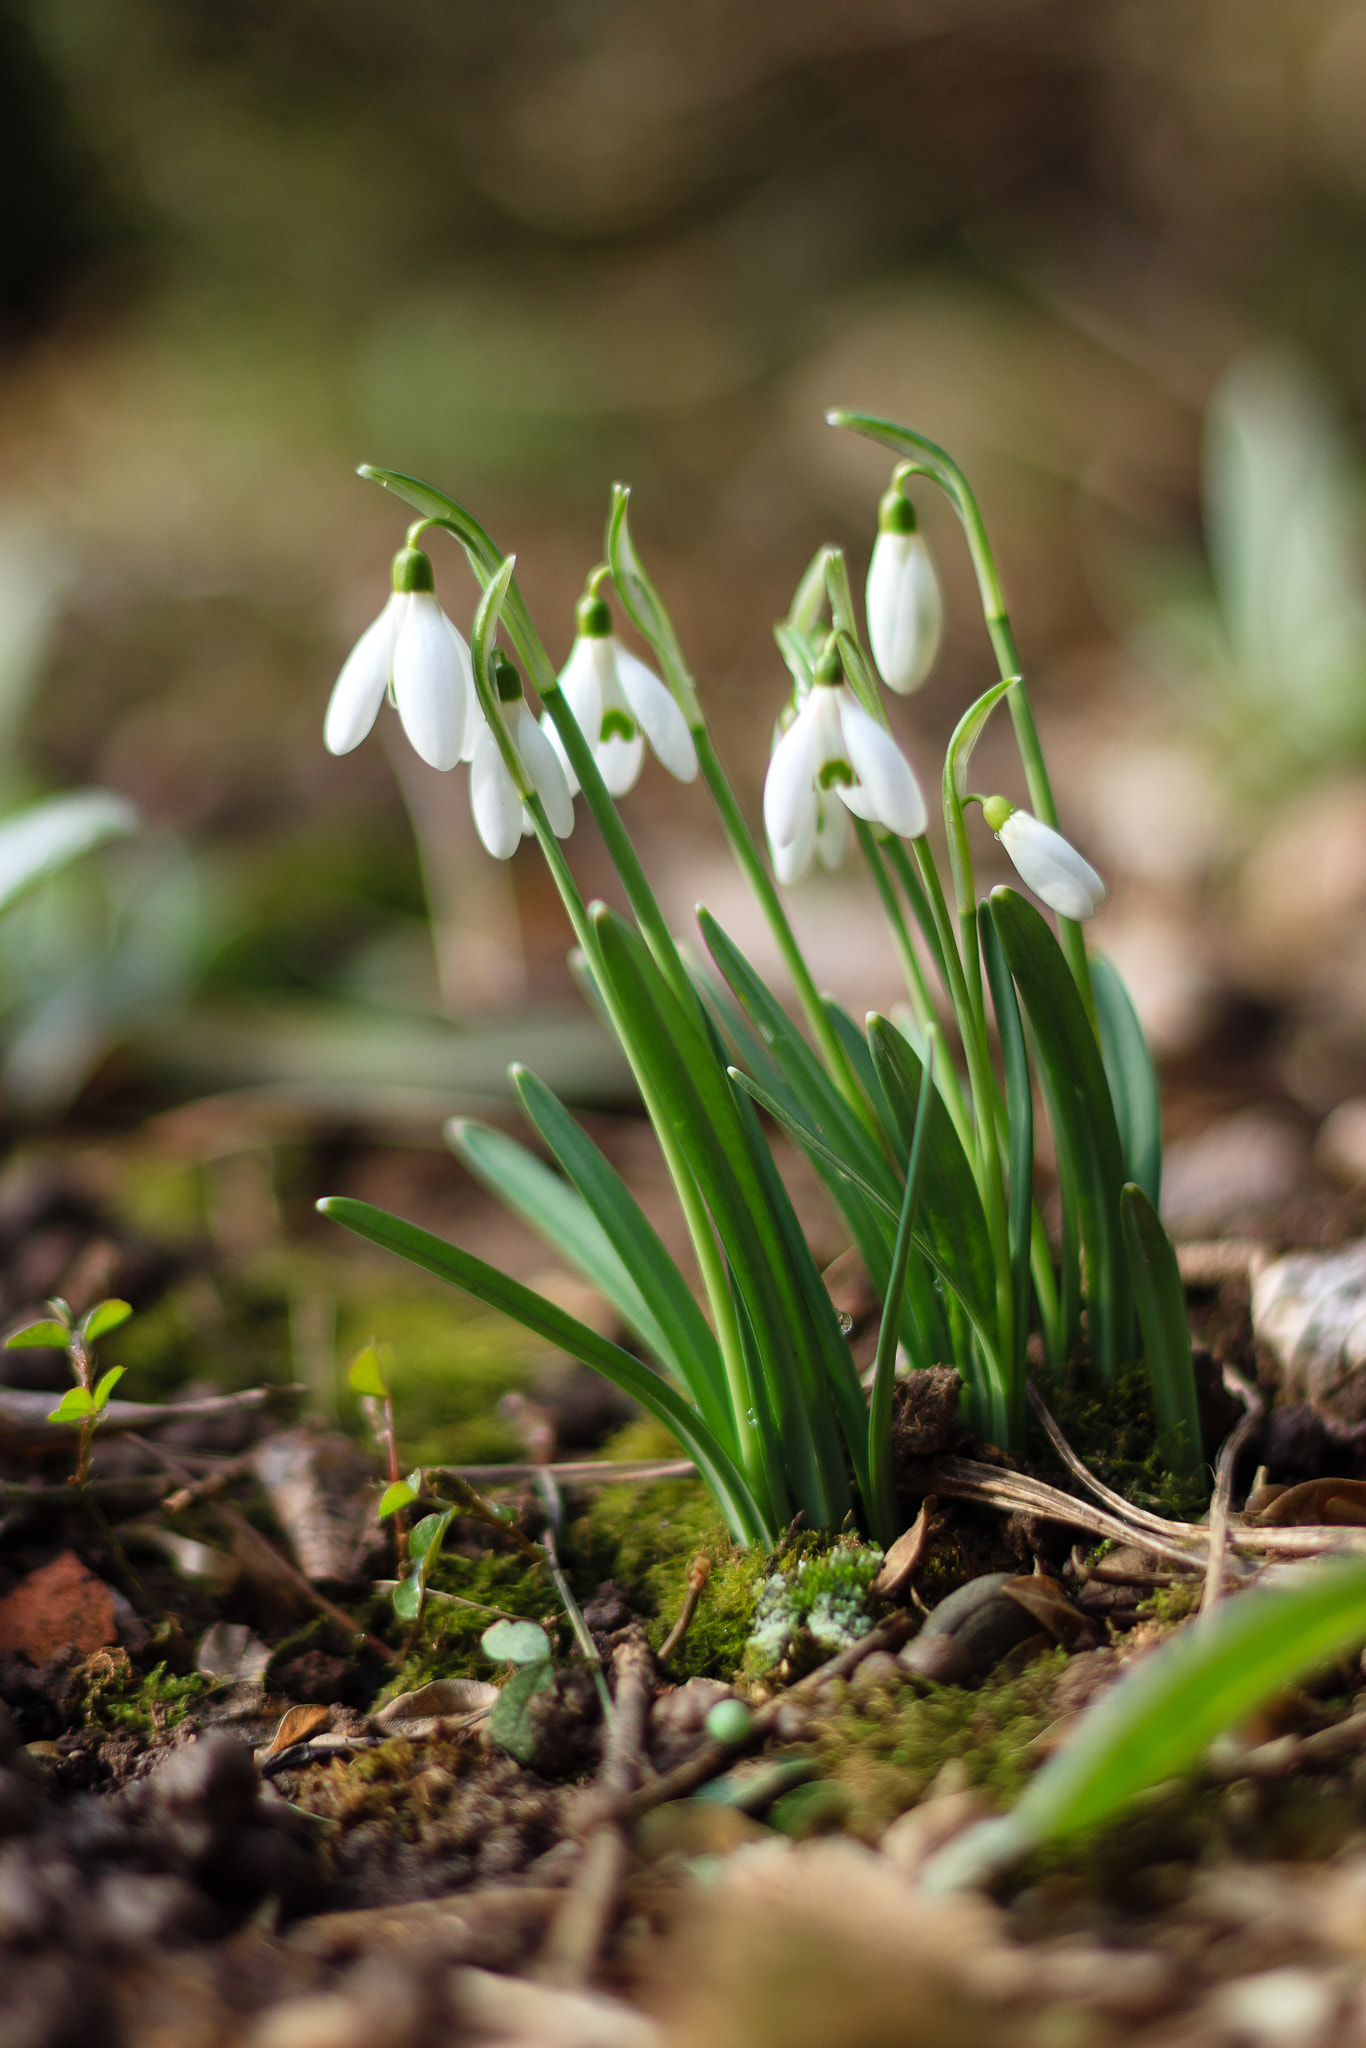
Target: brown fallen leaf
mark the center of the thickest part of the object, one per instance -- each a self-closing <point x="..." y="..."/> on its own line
<point x="298" y="1724"/>
<point x="903" y="1560"/>
<point x="1044" y="1601"/>
<point x="445" y="1702"/>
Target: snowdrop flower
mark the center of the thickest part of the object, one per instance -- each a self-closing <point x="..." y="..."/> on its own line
<point x="904" y="610"/>
<point x="500" y="816"/>
<point x="834" y="747"/>
<point x="1045" y="861"/>
<point x="413" y="650"/>
<point x="825" y="838"/>
<point x="618" y="704"/>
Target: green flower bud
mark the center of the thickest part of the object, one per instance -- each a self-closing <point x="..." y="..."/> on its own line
<point x="996" y="809"/>
<point x="896" y="513"/>
<point x="593" y="618"/>
<point x="506" y="680"/>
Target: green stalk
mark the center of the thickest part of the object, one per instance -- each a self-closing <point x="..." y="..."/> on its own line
<point x="752" y="866"/>
<point x="928" y="459"/>
<point x="882" y="1505"/>
<point x="982" y="1081"/>
<point x="946" y="1074"/>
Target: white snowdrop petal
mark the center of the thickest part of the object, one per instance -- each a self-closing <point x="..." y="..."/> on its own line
<point x="904" y="609"/>
<point x="832" y="835"/>
<point x="791" y="862"/>
<point x="544" y="767"/>
<point x="1051" y="866"/>
<point x="620" y="762"/>
<point x="359" y="690"/>
<point x="494" y="800"/>
<point x="882" y="768"/>
<point x="788" y="791"/>
<point x="581" y="680"/>
<point x="855" y="798"/>
<point x="552" y="734"/>
<point x="431" y="682"/>
<point x="656" y="710"/>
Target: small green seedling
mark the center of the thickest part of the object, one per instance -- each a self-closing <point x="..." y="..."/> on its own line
<point x="369" y="1378"/>
<point x="515" y="1642"/>
<point x="83" y="1404"/>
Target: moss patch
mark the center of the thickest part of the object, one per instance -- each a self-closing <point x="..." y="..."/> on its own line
<point x="886" y="1748"/>
<point x="114" y="1696"/>
<point x="448" y="1646"/>
<point x="1113" y="1430"/>
<point x="645" y="1537"/>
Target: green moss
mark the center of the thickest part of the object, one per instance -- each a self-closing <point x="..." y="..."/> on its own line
<point x="1172" y="1604"/>
<point x="115" y="1696"/>
<point x="1112" y="1429"/>
<point x="645" y="1537"/>
<point x="886" y="1748"/>
<point x="448" y="1646"/>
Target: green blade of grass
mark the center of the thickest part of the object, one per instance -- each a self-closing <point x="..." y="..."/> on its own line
<point x="882" y="1506"/>
<point x="639" y="1248"/>
<point x="462" y="1269"/>
<point x="1080" y="1109"/>
<point x="1160" y="1298"/>
<point x="557" y="1213"/>
<point x="1157" y="1721"/>
<point x="1019" y="1131"/>
<point x="1133" y="1083"/>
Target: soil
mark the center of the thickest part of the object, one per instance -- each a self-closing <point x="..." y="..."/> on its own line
<point x="217" y="1825"/>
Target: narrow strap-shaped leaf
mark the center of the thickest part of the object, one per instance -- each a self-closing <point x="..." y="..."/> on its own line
<point x="821" y="1321"/>
<point x="953" y="1220"/>
<point x="638" y="1246"/>
<point x="855" y="1043"/>
<point x="1019" y="1130"/>
<point x="695" y="1093"/>
<point x="882" y="1505"/>
<point x="1161" y="1302"/>
<point x="1080" y="1109"/>
<point x="804" y="1072"/>
<point x="1133" y="1083"/>
<point x="556" y="1212"/>
<point x="462" y="1269"/>
<point x="1166" y="1708"/>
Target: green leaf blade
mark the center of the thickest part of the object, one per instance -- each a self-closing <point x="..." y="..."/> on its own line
<point x="104" y="1317"/>
<point x="50" y="1335"/>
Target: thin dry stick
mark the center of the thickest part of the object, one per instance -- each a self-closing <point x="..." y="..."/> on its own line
<point x="714" y="1756"/>
<point x="578" y="1930"/>
<point x="1216" y="1566"/>
<point x="1139" y="1517"/>
<point x="254" y="1544"/>
<point x="211" y="1483"/>
<point x="699" y="1571"/>
<point x="605" y="1471"/>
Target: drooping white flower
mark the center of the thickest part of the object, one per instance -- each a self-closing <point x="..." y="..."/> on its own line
<point x="500" y="816"/>
<point x="413" y="649"/>
<point x="834" y="747"/>
<point x="1046" y="862"/>
<point x="618" y="704"/>
<point x="904" y="609"/>
<point x="825" y="838"/>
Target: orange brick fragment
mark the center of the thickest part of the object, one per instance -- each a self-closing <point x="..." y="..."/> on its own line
<point x="62" y="1606"/>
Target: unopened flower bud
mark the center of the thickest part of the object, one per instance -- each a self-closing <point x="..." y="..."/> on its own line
<point x="904" y="609"/>
<point x="1046" y="862"/>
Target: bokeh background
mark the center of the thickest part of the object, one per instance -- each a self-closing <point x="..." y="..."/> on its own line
<point x="1113" y="255"/>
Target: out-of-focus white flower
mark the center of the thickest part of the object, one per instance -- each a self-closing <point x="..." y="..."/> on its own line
<point x="1046" y="862"/>
<point x="834" y="747"/>
<point x="825" y="838"/>
<point x="904" y="609"/>
<point x="413" y="649"/>
<point x="618" y="704"/>
<point x="500" y="816"/>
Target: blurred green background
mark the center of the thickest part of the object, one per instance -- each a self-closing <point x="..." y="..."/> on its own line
<point x="1114" y="256"/>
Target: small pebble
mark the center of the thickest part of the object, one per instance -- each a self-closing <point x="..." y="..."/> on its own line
<point x="1287" y="2008"/>
<point x="941" y="1659"/>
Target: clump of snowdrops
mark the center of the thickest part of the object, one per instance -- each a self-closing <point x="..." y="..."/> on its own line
<point x="922" y="1128"/>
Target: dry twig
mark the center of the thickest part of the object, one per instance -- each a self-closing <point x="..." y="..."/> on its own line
<point x="1217" y="1561"/>
<point x="577" y="1932"/>
<point x="699" y="1571"/>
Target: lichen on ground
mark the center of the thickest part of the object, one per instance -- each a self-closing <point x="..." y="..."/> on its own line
<point x="813" y="1606"/>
